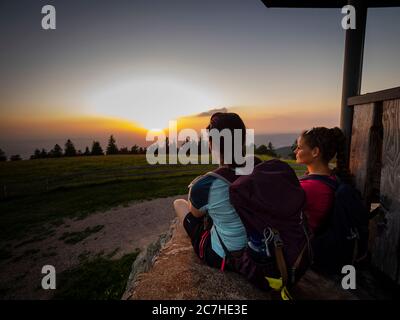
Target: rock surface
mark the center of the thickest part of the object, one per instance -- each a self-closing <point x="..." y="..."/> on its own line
<point x="177" y="273"/>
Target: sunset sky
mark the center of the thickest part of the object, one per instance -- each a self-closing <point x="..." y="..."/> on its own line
<point x="121" y="67"/>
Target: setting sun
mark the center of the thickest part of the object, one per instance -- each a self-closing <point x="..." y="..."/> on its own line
<point x="151" y="102"/>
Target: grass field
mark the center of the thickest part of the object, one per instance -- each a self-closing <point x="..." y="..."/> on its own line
<point x="37" y="195"/>
<point x="36" y="192"/>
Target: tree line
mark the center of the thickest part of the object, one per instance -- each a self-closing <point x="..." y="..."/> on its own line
<point x="268" y="149"/>
<point x="70" y="151"/>
<point x="3" y="156"/>
<point x="262" y="149"/>
<point x="112" y="149"/>
<point x="96" y="150"/>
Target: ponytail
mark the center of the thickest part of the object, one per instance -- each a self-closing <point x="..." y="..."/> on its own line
<point x="341" y="164"/>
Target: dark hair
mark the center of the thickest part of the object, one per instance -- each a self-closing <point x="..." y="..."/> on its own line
<point x="230" y="121"/>
<point x="330" y="142"/>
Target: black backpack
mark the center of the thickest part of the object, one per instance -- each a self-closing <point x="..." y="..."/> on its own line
<point x="343" y="238"/>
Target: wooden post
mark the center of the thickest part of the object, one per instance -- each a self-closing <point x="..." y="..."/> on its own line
<point x="352" y="69"/>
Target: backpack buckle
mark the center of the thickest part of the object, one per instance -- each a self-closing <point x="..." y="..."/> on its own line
<point x="267" y="239"/>
<point x="353" y="234"/>
<point x="277" y="240"/>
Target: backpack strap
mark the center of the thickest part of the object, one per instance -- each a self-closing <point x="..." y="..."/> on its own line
<point x="229" y="177"/>
<point x="280" y="259"/>
<point x="324" y="179"/>
<point x="297" y="264"/>
<point x="224" y="173"/>
<point x="226" y="251"/>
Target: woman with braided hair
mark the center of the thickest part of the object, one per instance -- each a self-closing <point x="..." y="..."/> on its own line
<point x="316" y="148"/>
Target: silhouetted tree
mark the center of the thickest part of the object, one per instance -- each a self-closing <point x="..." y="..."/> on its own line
<point x="262" y="149"/>
<point x="166" y="145"/>
<point x="56" y="152"/>
<point x="199" y="145"/>
<point x="187" y="142"/>
<point x="124" y="150"/>
<point x="112" y="146"/>
<point x="271" y="150"/>
<point x="3" y="156"/>
<point x="15" y="157"/>
<point x="87" y="152"/>
<point x="43" y="154"/>
<point x="135" y="149"/>
<point x="36" y="154"/>
<point x="70" y="150"/>
<point x="292" y="155"/>
<point x="97" y="150"/>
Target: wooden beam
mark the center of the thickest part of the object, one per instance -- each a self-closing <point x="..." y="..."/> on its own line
<point x="388" y="94"/>
<point x="352" y="68"/>
<point x="326" y="3"/>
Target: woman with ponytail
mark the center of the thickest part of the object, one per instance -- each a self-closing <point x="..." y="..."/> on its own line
<point x="316" y="148"/>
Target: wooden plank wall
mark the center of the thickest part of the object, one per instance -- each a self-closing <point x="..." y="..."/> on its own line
<point x="386" y="249"/>
<point x="365" y="150"/>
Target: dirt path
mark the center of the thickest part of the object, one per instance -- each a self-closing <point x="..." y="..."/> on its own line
<point x="121" y="231"/>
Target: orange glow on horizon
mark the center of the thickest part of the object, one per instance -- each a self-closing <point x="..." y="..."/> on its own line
<point x="262" y="119"/>
<point x="40" y="127"/>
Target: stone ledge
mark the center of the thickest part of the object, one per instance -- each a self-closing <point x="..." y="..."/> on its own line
<point x="170" y="270"/>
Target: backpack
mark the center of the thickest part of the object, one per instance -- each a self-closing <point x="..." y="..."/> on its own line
<point x="343" y="238"/>
<point x="269" y="203"/>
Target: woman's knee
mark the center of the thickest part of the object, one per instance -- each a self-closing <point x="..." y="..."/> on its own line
<point x="180" y="204"/>
<point x="181" y="207"/>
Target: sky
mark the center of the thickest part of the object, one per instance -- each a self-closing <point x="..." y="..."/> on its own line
<point x="125" y="66"/>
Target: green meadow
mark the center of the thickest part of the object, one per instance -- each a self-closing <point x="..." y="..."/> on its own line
<point x="36" y="196"/>
<point x="44" y="191"/>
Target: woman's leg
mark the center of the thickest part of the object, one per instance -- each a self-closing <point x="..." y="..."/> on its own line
<point x="194" y="228"/>
<point x="181" y="207"/>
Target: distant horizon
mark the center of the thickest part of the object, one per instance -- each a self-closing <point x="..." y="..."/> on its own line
<point x="26" y="148"/>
